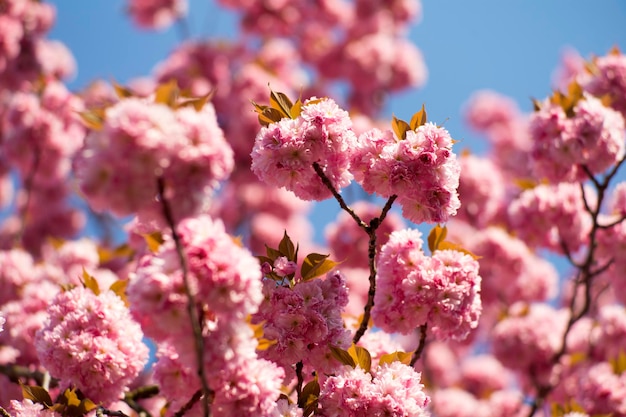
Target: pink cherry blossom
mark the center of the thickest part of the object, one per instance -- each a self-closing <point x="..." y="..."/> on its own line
<point x="391" y="389"/>
<point x="156" y="14"/>
<point x="284" y="152"/>
<point x="91" y="342"/>
<point x="441" y="291"/>
<point x="609" y="79"/>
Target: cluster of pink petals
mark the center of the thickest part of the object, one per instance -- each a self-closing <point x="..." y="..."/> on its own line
<point x="27" y="408"/>
<point x="304" y="320"/>
<point x="455" y="402"/>
<point x="551" y="216"/>
<point x="223" y="276"/>
<point x="528" y="338"/>
<point x="141" y="141"/>
<point x="506" y="129"/>
<point x="441" y="291"/>
<point x="601" y="390"/>
<point x="41" y="132"/>
<point x="24" y="317"/>
<point x="593" y="138"/>
<point x="390" y="390"/>
<point x="90" y="342"/>
<point x="421" y="170"/>
<point x="284" y="152"/>
<point x="481" y="189"/>
<point x="245" y="387"/>
<point x="156" y="14"/>
<point x="608" y="79"/>
<point x="349" y="243"/>
<point x="510" y="271"/>
<point x="24" y="52"/>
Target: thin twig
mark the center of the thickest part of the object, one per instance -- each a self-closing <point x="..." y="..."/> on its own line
<point x="4" y="413"/>
<point x="585" y="277"/>
<point x="101" y="411"/>
<point x="194" y="399"/>
<point x="338" y="197"/>
<point x="420" y="348"/>
<point x="131" y="398"/>
<point x="299" y="367"/>
<point x="15" y="372"/>
<point x="191" y="304"/>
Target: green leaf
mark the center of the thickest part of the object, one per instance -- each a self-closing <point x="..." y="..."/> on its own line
<point x="400" y="127"/>
<point x="343" y="356"/>
<point x="36" y="394"/>
<point x="418" y="119"/>
<point x="90" y="282"/>
<point x="315" y="265"/>
<point x="402" y="357"/>
<point x="436" y="236"/>
<point x="287" y="248"/>
<point x="361" y="357"/>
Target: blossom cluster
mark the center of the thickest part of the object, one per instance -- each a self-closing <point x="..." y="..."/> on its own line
<point x="304" y="321"/>
<point x="441" y="291"/>
<point x="89" y="342"/>
<point x="140" y="141"/>
<point x="390" y="389"/>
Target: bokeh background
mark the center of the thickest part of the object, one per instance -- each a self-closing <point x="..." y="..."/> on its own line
<point x="512" y="47"/>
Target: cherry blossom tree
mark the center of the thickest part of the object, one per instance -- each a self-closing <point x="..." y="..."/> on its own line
<point x="219" y="302"/>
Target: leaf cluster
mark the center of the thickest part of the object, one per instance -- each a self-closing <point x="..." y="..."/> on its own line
<point x="436" y="241"/>
<point x="118" y="287"/>
<point x="313" y="265"/>
<point x="400" y="127"/>
<point x="167" y="93"/>
<point x="280" y="107"/>
<point x="69" y="404"/>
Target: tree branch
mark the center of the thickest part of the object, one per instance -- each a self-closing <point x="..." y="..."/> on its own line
<point x="191" y="304"/>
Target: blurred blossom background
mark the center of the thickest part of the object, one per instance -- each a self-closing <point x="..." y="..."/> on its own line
<point x="513" y="48"/>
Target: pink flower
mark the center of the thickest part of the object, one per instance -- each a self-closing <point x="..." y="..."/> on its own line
<point x="246" y="388"/>
<point x="441" y="291"/>
<point x="284" y="152"/>
<point x="392" y="389"/>
<point x="223" y="276"/>
<point x="26" y="408"/>
<point x="609" y="79"/>
<point x="551" y="215"/>
<point x="601" y="390"/>
<point x="528" y="338"/>
<point x="593" y="136"/>
<point x="156" y="14"/>
<point x="420" y="169"/>
<point x="304" y="320"/>
<point x="90" y="341"/>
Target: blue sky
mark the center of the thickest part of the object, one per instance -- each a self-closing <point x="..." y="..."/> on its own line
<point x="510" y="46"/>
